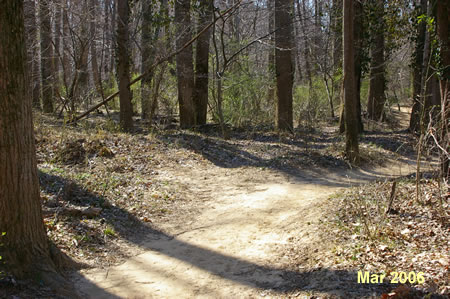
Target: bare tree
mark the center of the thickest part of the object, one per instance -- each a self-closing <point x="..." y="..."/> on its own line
<point x="443" y="23"/>
<point x="283" y="63"/>
<point x="32" y="50"/>
<point x="206" y="11"/>
<point x="46" y="56"/>
<point x="123" y="65"/>
<point x="185" y="67"/>
<point x="377" y="97"/>
<point x="350" y="88"/>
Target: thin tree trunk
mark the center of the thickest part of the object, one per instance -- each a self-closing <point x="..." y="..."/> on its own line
<point x="147" y="57"/>
<point x="283" y="64"/>
<point x="57" y="44"/>
<point x="46" y="56"/>
<point x="417" y="70"/>
<point x="93" y="46"/>
<point x="202" y="64"/>
<point x="377" y="97"/>
<point x="350" y="88"/>
<point x="185" y="67"/>
<point x="123" y="66"/>
<point x="443" y="22"/>
<point x="271" y="58"/>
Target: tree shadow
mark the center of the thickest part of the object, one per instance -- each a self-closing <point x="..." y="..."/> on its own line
<point x="341" y="282"/>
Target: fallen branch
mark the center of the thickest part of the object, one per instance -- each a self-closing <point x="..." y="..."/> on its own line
<point x="158" y="62"/>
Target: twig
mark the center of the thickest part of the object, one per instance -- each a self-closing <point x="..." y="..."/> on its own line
<point x="154" y="65"/>
<point x="392" y="197"/>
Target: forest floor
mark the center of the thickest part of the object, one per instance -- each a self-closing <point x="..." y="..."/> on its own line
<point x="173" y="213"/>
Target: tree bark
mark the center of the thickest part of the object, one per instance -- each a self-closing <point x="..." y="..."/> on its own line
<point x="417" y="70"/>
<point x="350" y="88"/>
<point x="57" y="42"/>
<point x="185" y="66"/>
<point x="46" y="56"/>
<point x="283" y="64"/>
<point x="202" y="64"/>
<point x="123" y="66"/>
<point x="32" y="51"/>
<point x="147" y="57"/>
<point x="377" y="84"/>
<point x="358" y="34"/>
<point x="271" y="57"/>
<point x="443" y="23"/>
<point x="25" y="249"/>
<point x="93" y="46"/>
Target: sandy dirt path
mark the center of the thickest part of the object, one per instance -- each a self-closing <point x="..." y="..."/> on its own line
<point x="231" y="248"/>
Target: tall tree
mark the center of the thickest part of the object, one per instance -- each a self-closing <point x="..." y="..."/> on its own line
<point x="377" y="84"/>
<point x="358" y="31"/>
<point x="443" y="23"/>
<point x="32" y="50"/>
<point x="147" y="53"/>
<point x="283" y="63"/>
<point x="417" y="69"/>
<point x="25" y="249"/>
<point x="205" y="15"/>
<point x="185" y="66"/>
<point x="46" y="56"/>
<point x="123" y="65"/>
<point x="350" y="88"/>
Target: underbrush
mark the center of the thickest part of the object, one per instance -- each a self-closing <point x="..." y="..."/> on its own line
<point x="413" y="236"/>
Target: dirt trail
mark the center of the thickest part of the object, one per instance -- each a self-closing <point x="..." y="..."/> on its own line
<point x="229" y="250"/>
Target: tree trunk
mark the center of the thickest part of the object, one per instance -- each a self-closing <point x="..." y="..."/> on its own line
<point x="123" y="66"/>
<point x="417" y="70"/>
<point x="67" y="67"/>
<point x="185" y="67"/>
<point x="93" y="46"/>
<point x="358" y="34"/>
<point x="25" y="250"/>
<point x="32" y="50"/>
<point x="202" y="63"/>
<point x="147" y="57"/>
<point x="350" y="88"/>
<point x="57" y="43"/>
<point x="46" y="56"/>
<point x="283" y="63"/>
<point x="443" y="22"/>
<point x="271" y="58"/>
<point x="377" y="97"/>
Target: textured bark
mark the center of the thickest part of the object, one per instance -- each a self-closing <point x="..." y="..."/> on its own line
<point x="350" y="87"/>
<point x="32" y="50"/>
<point x="46" y="56"/>
<point x="202" y="64"/>
<point x="377" y="84"/>
<point x="358" y="34"/>
<point x="147" y="57"/>
<point x="57" y="41"/>
<point x="271" y="58"/>
<point x="67" y="67"/>
<point x="185" y="67"/>
<point x="93" y="46"/>
<point x="417" y="70"/>
<point x="443" y="23"/>
<point x="283" y="63"/>
<point x="25" y="248"/>
<point x="123" y="65"/>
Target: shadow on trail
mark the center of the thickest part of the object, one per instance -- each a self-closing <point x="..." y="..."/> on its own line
<point x="300" y="162"/>
<point x="232" y="268"/>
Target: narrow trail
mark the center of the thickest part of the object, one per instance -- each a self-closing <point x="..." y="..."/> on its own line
<point x="230" y="249"/>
